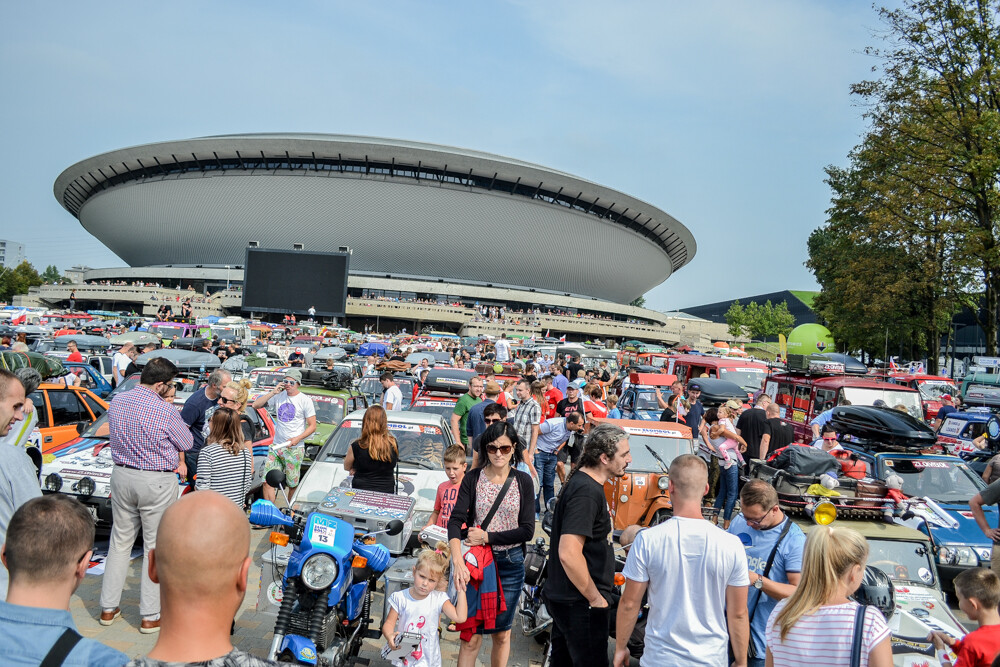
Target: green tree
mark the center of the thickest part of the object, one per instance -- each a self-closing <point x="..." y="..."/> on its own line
<point x="18" y="280"/>
<point x="638" y="302"/>
<point x="759" y="322"/>
<point x="935" y="120"/>
<point x="51" y="274"/>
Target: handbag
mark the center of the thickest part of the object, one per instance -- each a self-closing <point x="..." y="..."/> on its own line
<point x="751" y="651"/>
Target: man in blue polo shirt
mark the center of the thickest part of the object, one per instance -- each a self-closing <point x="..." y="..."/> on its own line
<point x="764" y="529"/>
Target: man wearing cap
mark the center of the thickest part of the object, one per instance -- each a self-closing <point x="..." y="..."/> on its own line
<point x="947" y="407"/>
<point x="295" y="420"/>
<point x="296" y="358"/>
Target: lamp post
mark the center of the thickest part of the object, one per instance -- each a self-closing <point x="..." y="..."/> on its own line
<point x="227" y="277"/>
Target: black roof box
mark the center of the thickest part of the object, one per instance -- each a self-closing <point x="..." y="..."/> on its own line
<point x="715" y="392"/>
<point x="451" y="380"/>
<point x="882" y="426"/>
<point x="338" y="378"/>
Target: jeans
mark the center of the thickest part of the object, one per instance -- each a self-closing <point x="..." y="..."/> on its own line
<point x="579" y="634"/>
<point x="728" y="481"/>
<point x="545" y="464"/>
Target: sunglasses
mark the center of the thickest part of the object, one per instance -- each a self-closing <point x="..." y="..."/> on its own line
<point x="503" y="449"/>
<point x="493" y="421"/>
<point x="291" y="381"/>
<point x="223" y="399"/>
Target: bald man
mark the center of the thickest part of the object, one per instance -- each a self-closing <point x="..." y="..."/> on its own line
<point x="203" y="578"/>
<point x="697" y="603"/>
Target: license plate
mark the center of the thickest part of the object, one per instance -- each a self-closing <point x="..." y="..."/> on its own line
<point x="323" y="532"/>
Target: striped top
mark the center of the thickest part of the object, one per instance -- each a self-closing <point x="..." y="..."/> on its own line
<point x="824" y="637"/>
<point x="229" y="474"/>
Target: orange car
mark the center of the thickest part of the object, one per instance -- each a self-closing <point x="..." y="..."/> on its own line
<point x="63" y="412"/>
<point x="640" y="497"/>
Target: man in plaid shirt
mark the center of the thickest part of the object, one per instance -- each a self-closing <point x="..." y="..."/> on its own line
<point x="526" y="420"/>
<point x="147" y="436"/>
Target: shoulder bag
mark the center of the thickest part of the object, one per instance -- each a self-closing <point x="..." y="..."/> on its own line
<point x="751" y="651"/>
<point x="859" y="631"/>
<point x="61" y="649"/>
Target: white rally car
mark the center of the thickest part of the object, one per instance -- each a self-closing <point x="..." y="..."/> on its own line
<point x="422" y="439"/>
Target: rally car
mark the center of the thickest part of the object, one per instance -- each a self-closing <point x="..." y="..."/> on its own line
<point x="82" y="467"/>
<point x="422" y="440"/>
<point x="441" y="391"/>
<point x="638" y="400"/>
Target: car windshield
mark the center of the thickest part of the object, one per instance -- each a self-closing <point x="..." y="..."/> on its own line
<point x="892" y="398"/>
<point x="99" y="429"/>
<point x="443" y="408"/>
<point x="267" y="379"/>
<point x="746" y="378"/>
<point x="933" y="390"/>
<point x="422" y="445"/>
<point x="659" y="362"/>
<point x="167" y="332"/>
<point x="940" y="480"/>
<point x="903" y="561"/>
<point x="329" y="409"/>
<point x="371" y="386"/>
<point x="646" y="400"/>
<point x="667" y="448"/>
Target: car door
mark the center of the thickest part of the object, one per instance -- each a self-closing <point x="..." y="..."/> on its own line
<point x="67" y="410"/>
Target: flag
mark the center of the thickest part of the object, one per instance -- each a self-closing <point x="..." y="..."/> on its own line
<point x="20" y="317"/>
<point x="563" y="339"/>
<point x="547" y="332"/>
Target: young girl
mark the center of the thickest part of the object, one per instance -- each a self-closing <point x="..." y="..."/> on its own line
<point x="417" y="609"/>
<point x="724" y="438"/>
<point x="815" y="626"/>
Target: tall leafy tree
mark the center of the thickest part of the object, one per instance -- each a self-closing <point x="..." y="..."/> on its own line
<point x="18" y="280"/>
<point x="51" y="274"/>
<point x="759" y="321"/>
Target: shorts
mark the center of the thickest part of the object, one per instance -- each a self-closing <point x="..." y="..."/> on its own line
<point x="288" y="460"/>
<point x="571" y="454"/>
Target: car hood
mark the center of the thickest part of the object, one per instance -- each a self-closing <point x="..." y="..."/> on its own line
<point x="80" y="462"/>
<point x="919" y="610"/>
<point x="420" y="483"/>
<point x="966" y="533"/>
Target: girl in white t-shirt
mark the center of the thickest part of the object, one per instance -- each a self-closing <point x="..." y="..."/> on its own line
<point x="417" y="610"/>
<point x="815" y="626"/>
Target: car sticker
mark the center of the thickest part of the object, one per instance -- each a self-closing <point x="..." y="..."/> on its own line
<point x="748" y="370"/>
<point x="890" y="463"/>
<point x="640" y="481"/>
<point x="431" y="430"/>
<point x="967" y="515"/>
<point x="798" y="416"/>
<point x="645" y="430"/>
<point x="436" y="404"/>
<point x="929" y="464"/>
<point x="925" y="575"/>
<point x="952" y="427"/>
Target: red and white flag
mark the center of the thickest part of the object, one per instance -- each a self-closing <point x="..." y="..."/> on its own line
<point x="20" y="317"/>
<point x="563" y="339"/>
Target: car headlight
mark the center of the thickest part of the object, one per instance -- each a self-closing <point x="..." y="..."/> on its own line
<point x="85" y="487"/>
<point x="319" y="572"/>
<point x="421" y="518"/>
<point x="662" y="483"/>
<point x="53" y="482"/>
<point x="953" y="554"/>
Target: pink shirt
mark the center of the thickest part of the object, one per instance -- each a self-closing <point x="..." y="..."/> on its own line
<point x="444" y="502"/>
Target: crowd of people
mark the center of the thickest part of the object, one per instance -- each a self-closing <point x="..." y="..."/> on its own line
<point x="748" y="589"/>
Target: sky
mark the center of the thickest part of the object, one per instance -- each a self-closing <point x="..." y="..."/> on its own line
<point x="723" y="114"/>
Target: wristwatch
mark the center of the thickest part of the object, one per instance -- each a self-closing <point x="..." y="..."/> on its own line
<point x="759" y="583"/>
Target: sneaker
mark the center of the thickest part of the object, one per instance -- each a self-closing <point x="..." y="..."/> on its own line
<point x="108" y="617"/>
<point x="149" y="627"/>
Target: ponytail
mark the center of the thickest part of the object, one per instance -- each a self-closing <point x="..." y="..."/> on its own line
<point x="436" y="559"/>
<point x="828" y="556"/>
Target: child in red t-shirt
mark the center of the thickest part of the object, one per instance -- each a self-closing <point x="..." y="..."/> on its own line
<point x="978" y="591"/>
<point x="447" y="492"/>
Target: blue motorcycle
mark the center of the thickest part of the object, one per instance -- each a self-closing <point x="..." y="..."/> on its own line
<point x="327" y="585"/>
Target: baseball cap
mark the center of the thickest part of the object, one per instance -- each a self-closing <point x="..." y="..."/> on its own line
<point x="694" y="386"/>
<point x="573" y="385"/>
<point x="733" y="404"/>
<point x="294" y="374"/>
<point x="947" y="397"/>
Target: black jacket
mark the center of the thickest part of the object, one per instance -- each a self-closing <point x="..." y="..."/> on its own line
<point x="464" y="511"/>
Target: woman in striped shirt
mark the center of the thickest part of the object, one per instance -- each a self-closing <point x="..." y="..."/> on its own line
<point x="225" y="464"/>
<point x="815" y="626"/>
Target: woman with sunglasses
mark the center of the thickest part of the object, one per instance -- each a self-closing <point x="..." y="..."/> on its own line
<point x="512" y="524"/>
<point x="235" y="395"/>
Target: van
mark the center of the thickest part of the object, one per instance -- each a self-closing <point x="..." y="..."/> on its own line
<point x="747" y="374"/>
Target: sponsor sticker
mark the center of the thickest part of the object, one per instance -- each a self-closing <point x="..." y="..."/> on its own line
<point x="645" y="430"/>
<point x="917" y="463"/>
<point x="640" y="481"/>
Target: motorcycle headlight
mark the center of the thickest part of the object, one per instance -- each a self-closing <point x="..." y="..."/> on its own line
<point x="662" y="483"/>
<point x="952" y="554"/>
<point x="85" y="487"/>
<point x="319" y="572"/>
<point x="53" y="482"/>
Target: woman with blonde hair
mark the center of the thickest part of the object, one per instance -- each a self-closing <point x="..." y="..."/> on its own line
<point x="817" y="624"/>
<point x="372" y="457"/>
<point x="235" y="396"/>
<point x="225" y="464"/>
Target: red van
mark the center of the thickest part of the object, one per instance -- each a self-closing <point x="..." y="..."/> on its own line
<point x="801" y="396"/>
<point x="749" y="375"/>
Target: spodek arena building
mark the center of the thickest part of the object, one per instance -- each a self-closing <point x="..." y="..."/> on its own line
<point x="422" y="221"/>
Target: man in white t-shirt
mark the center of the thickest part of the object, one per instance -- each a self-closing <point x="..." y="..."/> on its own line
<point x="392" y="397"/>
<point x="295" y="420"/>
<point x="697" y="578"/>
<point x="502" y="347"/>
<point x="120" y="362"/>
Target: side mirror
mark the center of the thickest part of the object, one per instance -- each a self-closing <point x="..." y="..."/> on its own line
<point x="394" y="527"/>
<point x="550" y="505"/>
<point x="275" y="479"/>
<point x="79" y="427"/>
